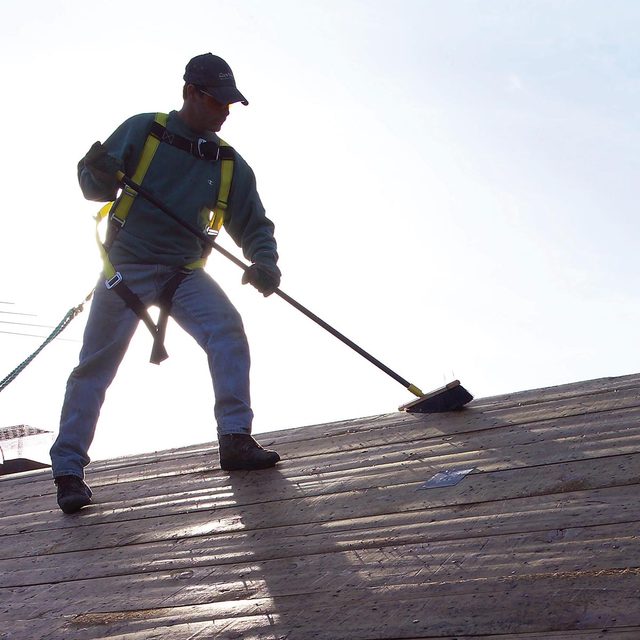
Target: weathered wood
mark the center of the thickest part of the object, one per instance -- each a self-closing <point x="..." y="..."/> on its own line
<point x="343" y="542"/>
<point x="276" y="544"/>
<point x="400" y="429"/>
<point x="510" y="447"/>
<point x="572" y="389"/>
<point x="417" y="564"/>
<point x="432" y="453"/>
<point x="630" y="633"/>
<point x="557" y="511"/>
<point x="539" y="604"/>
<point x="557" y="405"/>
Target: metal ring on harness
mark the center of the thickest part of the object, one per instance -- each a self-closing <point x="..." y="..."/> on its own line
<point x="208" y="150"/>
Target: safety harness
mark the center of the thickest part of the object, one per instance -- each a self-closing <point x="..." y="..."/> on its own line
<point x="119" y="210"/>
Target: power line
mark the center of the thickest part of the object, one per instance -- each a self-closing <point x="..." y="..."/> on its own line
<point x="27" y="324"/>
<point x="33" y="335"/>
<point x="15" y="313"/>
<point x="16" y="333"/>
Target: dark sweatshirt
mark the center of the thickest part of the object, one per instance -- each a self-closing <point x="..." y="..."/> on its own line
<point x="188" y="186"/>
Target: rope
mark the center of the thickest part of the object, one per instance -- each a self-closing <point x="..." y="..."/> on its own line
<point x="69" y="316"/>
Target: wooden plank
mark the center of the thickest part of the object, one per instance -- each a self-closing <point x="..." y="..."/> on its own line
<point x="276" y="543"/>
<point x="240" y="492"/>
<point x="457" y="422"/>
<point x="565" y="400"/>
<point x="540" y="604"/>
<point x="259" y="628"/>
<point x="342" y="541"/>
<point x="58" y="629"/>
<point x="481" y="450"/>
<point x="394" y="428"/>
<point x="413" y="464"/>
<point x="422" y="565"/>
<point x="625" y="397"/>
<point x="558" y="392"/>
<point x="266" y="546"/>
<point x="629" y="633"/>
<point x="350" y="511"/>
<point x="217" y="483"/>
<point x="428" y="451"/>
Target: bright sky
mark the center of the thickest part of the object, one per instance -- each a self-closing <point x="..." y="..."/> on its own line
<point x="454" y="187"/>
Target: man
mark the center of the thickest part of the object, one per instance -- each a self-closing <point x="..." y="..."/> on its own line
<point x="149" y="254"/>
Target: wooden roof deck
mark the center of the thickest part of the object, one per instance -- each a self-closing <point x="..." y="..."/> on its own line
<point x="343" y="541"/>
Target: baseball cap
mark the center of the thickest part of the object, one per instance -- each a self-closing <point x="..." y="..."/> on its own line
<point x="214" y="75"/>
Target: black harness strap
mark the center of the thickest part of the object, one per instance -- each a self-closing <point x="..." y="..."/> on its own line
<point x="158" y="331"/>
<point x="158" y="352"/>
<point x="136" y="305"/>
<point x="200" y="148"/>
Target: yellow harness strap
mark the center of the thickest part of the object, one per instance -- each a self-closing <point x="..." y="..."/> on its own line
<point x="226" y="176"/>
<point x="118" y="213"/>
<point x="120" y="210"/>
<point x="123" y="206"/>
<point x="108" y="269"/>
<point x="219" y="211"/>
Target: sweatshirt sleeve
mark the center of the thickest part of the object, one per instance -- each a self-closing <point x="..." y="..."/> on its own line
<point x="125" y="145"/>
<point x="246" y="220"/>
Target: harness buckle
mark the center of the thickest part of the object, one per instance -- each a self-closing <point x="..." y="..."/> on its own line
<point x="208" y="150"/>
<point x="115" y="220"/>
<point x="113" y="281"/>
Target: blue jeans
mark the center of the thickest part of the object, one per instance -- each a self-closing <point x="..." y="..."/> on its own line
<point x="201" y="308"/>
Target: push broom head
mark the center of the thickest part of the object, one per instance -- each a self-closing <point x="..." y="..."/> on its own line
<point x="451" y="397"/>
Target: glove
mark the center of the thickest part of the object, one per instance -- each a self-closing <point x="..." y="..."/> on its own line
<point x="265" y="277"/>
<point x="101" y="163"/>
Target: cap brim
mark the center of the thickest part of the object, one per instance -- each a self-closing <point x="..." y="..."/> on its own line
<point x="226" y="95"/>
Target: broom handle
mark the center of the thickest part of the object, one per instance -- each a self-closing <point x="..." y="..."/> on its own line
<point x="287" y="298"/>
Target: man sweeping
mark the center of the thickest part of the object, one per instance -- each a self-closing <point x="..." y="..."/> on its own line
<point x="151" y="260"/>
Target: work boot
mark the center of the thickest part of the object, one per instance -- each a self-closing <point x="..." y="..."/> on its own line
<point x="73" y="493"/>
<point x="241" y="451"/>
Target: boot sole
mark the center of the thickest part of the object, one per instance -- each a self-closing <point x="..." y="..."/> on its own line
<point x="248" y="466"/>
<point x="73" y="504"/>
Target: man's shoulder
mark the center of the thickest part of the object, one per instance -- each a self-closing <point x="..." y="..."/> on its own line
<point x="138" y="123"/>
<point x="233" y="152"/>
<point x="140" y="119"/>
